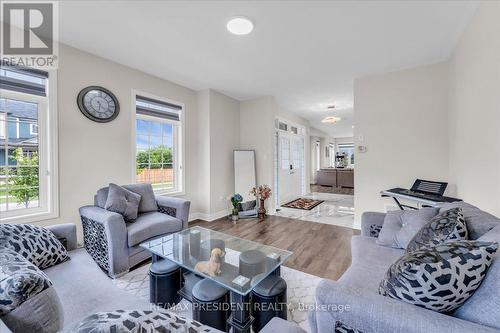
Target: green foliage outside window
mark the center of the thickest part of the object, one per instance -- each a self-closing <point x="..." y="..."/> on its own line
<point x="154" y="158"/>
<point x="23" y="179"/>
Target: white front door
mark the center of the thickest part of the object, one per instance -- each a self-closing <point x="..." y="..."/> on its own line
<point x="290" y="167"/>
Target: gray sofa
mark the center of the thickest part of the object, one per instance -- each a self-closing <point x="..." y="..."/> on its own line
<point x="80" y="288"/>
<point x="354" y="298"/>
<point x="113" y="243"/>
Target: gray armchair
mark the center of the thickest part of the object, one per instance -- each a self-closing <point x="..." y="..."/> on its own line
<point x="114" y="243"/>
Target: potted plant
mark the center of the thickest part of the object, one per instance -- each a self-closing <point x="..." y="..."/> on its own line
<point x="263" y="192"/>
<point x="236" y="200"/>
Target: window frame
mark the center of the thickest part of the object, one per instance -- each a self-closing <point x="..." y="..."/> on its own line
<point x="47" y="153"/>
<point x="178" y="141"/>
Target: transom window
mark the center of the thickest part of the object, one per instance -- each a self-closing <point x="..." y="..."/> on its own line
<point x="158" y="144"/>
<point x="28" y="178"/>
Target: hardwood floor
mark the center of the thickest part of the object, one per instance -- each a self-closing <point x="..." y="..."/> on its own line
<point x="320" y="249"/>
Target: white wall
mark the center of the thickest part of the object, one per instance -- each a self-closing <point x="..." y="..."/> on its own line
<point x="224" y="139"/>
<point x="91" y="154"/>
<point x="402" y="117"/>
<point x="475" y="111"/>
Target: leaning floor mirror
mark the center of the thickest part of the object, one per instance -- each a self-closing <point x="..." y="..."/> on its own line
<point x="244" y="181"/>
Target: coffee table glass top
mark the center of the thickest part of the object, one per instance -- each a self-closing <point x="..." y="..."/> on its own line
<point x="239" y="264"/>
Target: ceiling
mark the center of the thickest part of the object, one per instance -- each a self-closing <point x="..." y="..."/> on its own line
<point x="304" y="53"/>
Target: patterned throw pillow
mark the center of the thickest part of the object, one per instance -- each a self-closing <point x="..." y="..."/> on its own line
<point x="446" y="226"/>
<point x="37" y="244"/>
<point x="128" y="321"/>
<point x="122" y="201"/>
<point x="439" y="278"/>
<point x="340" y="327"/>
<point x="19" y="280"/>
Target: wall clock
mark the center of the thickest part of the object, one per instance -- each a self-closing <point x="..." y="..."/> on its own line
<point x="98" y="104"/>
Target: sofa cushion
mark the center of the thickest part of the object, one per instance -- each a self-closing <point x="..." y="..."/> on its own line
<point x="101" y="197"/>
<point x="484" y="306"/>
<point x="132" y="321"/>
<point x="20" y="280"/>
<point x="370" y="262"/>
<point x="439" y="278"/>
<point x="122" y="201"/>
<point x="400" y="226"/>
<point x="478" y="222"/>
<point x="42" y="313"/>
<point x="37" y="244"/>
<point x="446" y="226"/>
<point x="148" y="200"/>
<point x="150" y="225"/>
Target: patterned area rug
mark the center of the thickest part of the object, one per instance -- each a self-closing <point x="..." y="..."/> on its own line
<point x="303" y="203"/>
<point x="331" y="189"/>
<point x="300" y="292"/>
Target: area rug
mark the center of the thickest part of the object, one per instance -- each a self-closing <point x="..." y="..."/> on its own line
<point x="331" y="189"/>
<point x="300" y="292"/>
<point x="303" y="203"/>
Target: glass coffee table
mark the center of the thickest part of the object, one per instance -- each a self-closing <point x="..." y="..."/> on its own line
<point x="244" y="264"/>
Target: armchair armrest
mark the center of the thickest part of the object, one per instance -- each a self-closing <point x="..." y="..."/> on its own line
<point x="176" y="207"/>
<point x="370" y="312"/>
<point x="66" y="230"/>
<point x="105" y="236"/>
<point x="371" y="223"/>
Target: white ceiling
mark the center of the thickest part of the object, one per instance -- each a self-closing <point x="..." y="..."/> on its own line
<point x="305" y="53"/>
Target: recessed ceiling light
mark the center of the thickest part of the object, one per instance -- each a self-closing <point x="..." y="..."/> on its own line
<point x="239" y="25"/>
<point x="331" y="120"/>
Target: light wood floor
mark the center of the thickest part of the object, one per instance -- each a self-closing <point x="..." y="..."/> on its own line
<point x="320" y="249"/>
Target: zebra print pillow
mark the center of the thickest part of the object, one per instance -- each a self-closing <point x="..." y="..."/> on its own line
<point x="439" y="278"/>
<point x="447" y="226"/>
<point x="19" y="280"/>
<point x="131" y="321"/>
<point x="37" y="244"/>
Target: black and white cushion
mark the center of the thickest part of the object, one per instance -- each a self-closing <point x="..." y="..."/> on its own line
<point x="131" y="321"/>
<point x="444" y="227"/>
<point x="37" y="244"/>
<point x="441" y="277"/>
<point x="19" y="280"/>
<point x="340" y="327"/>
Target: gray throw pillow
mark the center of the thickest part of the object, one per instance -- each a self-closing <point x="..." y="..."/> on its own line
<point x="400" y="226"/>
<point x="444" y="227"/>
<point x="122" y="201"/>
<point x="439" y="278"/>
<point x="19" y="280"/>
<point x="148" y="200"/>
<point x="37" y="244"/>
<point x="132" y="321"/>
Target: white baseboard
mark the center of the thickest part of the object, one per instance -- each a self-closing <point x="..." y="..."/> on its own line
<point x="208" y="217"/>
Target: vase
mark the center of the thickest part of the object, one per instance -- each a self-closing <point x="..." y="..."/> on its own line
<point x="235" y="216"/>
<point x="262" y="210"/>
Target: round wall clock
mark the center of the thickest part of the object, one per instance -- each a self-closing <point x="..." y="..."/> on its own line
<point x="98" y="104"/>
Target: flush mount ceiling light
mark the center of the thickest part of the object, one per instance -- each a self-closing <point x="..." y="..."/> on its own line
<point x="331" y="120"/>
<point x="331" y="107"/>
<point x="239" y="25"/>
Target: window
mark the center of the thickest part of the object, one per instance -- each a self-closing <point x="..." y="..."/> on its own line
<point x="345" y="154"/>
<point x="28" y="160"/>
<point x="298" y="148"/>
<point x="159" y="144"/>
<point x="34" y="129"/>
<point x="285" y="153"/>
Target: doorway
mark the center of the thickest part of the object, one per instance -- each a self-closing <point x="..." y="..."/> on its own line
<point x="290" y="166"/>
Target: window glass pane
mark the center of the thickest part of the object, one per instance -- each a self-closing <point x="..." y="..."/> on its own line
<point x="142" y="126"/>
<point x="19" y="146"/>
<point x="154" y="158"/>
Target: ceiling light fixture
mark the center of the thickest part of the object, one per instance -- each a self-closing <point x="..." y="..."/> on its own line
<point x="331" y="120"/>
<point x="239" y="25"/>
<point x="331" y="107"/>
